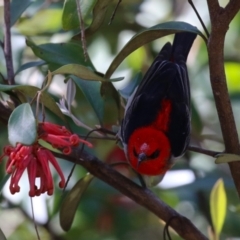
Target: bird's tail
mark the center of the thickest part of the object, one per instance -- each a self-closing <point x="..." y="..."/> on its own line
<point x="181" y="46"/>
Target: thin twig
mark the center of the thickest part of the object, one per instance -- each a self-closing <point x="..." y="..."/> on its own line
<point x="82" y="29"/>
<point x="7" y="43"/>
<point x="33" y="217"/>
<point x="199" y="17"/>
<point x="105" y="131"/>
<point x="231" y="9"/>
<point x="203" y="151"/>
<point x="101" y="138"/>
<point x="166" y="234"/>
<point x="114" y="12"/>
<point x="75" y="163"/>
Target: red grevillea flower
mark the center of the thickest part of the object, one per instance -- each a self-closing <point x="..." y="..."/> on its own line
<point x="59" y="137"/>
<point x="35" y="159"/>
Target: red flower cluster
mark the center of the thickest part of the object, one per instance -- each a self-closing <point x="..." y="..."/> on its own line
<point x="59" y="137"/>
<point x="36" y="158"/>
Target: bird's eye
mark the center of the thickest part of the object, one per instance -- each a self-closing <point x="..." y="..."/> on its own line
<point x="135" y="153"/>
<point x="155" y="154"/>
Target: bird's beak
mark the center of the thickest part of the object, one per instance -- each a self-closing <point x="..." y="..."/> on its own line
<point x="141" y="157"/>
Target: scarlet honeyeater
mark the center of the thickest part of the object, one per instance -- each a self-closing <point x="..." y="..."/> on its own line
<point x="156" y="125"/>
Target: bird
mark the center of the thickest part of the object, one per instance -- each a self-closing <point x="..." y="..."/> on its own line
<point x="156" y="126"/>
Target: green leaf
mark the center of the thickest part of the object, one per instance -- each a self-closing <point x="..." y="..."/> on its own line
<point x="44" y="21"/>
<point x="82" y="72"/>
<point x="226" y="158"/>
<point x="218" y="206"/>
<point x="2" y="236"/>
<point x="99" y="13"/>
<point x="30" y="65"/>
<point x="17" y="8"/>
<point x="135" y="59"/>
<point x="48" y="146"/>
<point x="60" y="54"/>
<point x="233" y="76"/>
<point x="22" y="125"/>
<point x="109" y="93"/>
<point x="31" y="91"/>
<point x="71" y="202"/>
<point x="70" y="18"/>
<point x="91" y="90"/>
<point x="147" y="36"/>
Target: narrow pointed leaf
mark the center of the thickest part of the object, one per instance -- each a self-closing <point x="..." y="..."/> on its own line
<point x="91" y="90"/>
<point x="48" y="146"/>
<point x="109" y="93"/>
<point x="71" y="202"/>
<point x="218" y="205"/>
<point x="17" y="8"/>
<point x="226" y="158"/>
<point x="30" y="65"/>
<point x="22" y="125"/>
<point x="147" y="36"/>
<point x="99" y="13"/>
<point x="60" y="54"/>
<point x="46" y="20"/>
<point x="82" y="72"/>
<point x="232" y="76"/>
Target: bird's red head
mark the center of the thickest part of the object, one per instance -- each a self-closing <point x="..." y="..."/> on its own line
<point x="149" y="151"/>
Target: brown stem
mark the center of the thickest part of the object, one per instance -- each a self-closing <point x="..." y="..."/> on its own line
<point x="199" y="17"/>
<point x="220" y="20"/>
<point x="114" y="12"/>
<point x="142" y="196"/>
<point x="82" y="29"/>
<point x="7" y="42"/>
<point x="203" y="151"/>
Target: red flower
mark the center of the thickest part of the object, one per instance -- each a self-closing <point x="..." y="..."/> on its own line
<point x="59" y="137"/>
<point x="35" y="159"/>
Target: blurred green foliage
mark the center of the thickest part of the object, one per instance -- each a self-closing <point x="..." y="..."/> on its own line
<point x="43" y="30"/>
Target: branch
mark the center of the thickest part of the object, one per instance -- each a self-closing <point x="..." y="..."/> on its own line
<point x="203" y="151"/>
<point x="82" y="29"/>
<point x="220" y="20"/>
<point x="7" y="42"/>
<point x="142" y="196"/>
<point x="232" y="9"/>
